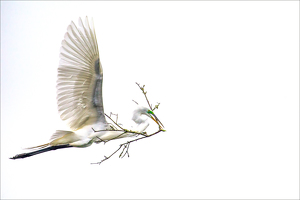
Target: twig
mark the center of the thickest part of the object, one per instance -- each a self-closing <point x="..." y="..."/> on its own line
<point x="114" y="122"/>
<point x="125" y="146"/>
<point x="122" y="129"/>
<point x="156" y="106"/>
<point x="144" y="92"/>
<point x="106" y="158"/>
<point x="135" y="102"/>
<point x="114" y="115"/>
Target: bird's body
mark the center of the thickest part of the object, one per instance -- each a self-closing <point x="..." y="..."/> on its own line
<point x="79" y="95"/>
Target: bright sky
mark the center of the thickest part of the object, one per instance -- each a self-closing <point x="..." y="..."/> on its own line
<point x="226" y="75"/>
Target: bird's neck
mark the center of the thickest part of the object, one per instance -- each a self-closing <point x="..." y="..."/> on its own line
<point x="138" y="118"/>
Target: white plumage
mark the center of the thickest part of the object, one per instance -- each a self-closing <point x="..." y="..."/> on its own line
<point x="79" y="94"/>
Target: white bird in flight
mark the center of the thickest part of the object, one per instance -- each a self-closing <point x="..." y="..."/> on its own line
<point x="79" y="95"/>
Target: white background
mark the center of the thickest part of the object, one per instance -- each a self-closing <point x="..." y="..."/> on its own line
<point x="226" y="75"/>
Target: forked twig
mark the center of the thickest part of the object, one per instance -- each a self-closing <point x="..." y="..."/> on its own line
<point x="114" y="122"/>
<point x="126" y="145"/>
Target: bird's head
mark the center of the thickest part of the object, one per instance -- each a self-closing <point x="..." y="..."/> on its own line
<point x="145" y="111"/>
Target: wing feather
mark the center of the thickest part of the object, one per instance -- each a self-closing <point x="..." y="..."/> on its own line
<point x="79" y="83"/>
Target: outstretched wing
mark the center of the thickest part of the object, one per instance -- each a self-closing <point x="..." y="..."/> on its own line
<point x="80" y="75"/>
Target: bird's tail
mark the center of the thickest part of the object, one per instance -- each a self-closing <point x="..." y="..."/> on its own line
<point x="41" y="149"/>
<point x="59" y="140"/>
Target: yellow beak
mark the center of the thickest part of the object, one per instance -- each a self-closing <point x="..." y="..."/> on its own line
<point x="157" y="121"/>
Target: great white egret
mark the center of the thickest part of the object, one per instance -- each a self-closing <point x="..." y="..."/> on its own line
<point x="79" y="95"/>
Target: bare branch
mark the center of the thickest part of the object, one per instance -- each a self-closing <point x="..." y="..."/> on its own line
<point x="106" y="158"/>
<point x="124" y="147"/>
<point x="145" y="93"/>
<point x="114" y="122"/>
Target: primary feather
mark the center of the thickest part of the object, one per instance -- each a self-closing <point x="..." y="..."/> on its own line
<point x="80" y="76"/>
